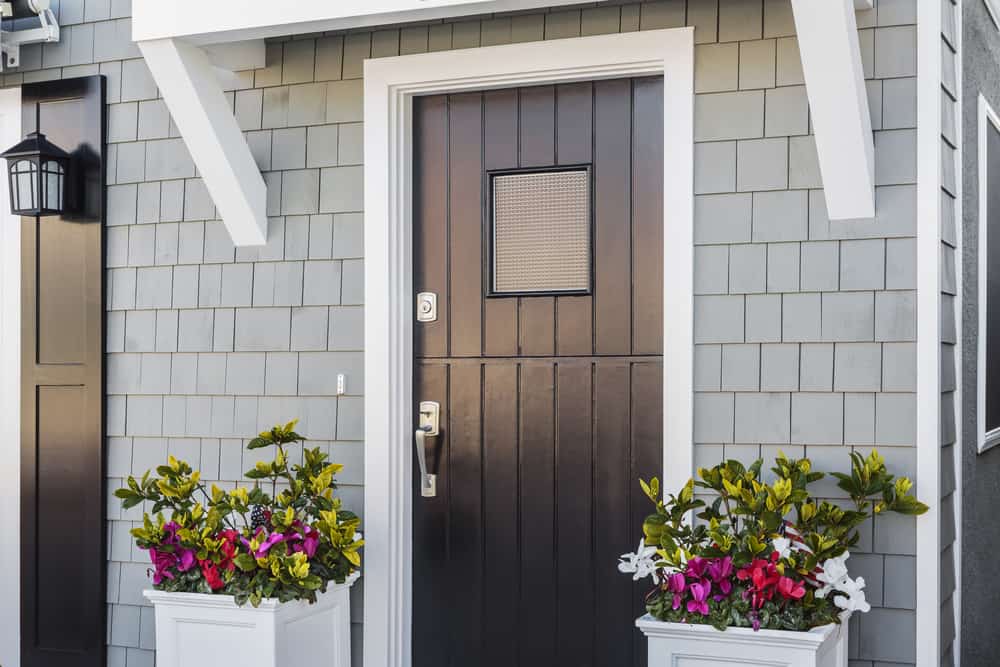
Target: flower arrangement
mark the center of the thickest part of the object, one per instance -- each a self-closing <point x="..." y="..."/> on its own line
<point x="762" y="555"/>
<point x="243" y="542"/>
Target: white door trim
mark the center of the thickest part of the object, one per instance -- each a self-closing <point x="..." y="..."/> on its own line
<point x="390" y="85"/>
<point x="10" y="395"/>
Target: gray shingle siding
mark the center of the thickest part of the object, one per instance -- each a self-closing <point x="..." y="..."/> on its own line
<point x="804" y="328"/>
<point x="949" y="332"/>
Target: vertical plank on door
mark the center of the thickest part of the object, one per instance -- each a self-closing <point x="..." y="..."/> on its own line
<point x="537" y="489"/>
<point x="647" y="462"/>
<point x="430" y="553"/>
<point x="430" y="198"/>
<point x="466" y="224"/>
<point x="502" y="505"/>
<point x="647" y="216"/>
<point x="574" y="137"/>
<point x="613" y="535"/>
<point x="500" y="152"/>
<point x="537" y="139"/>
<point x="612" y="213"/>
<point x="574" y="513"/>
<point x="466" y="513"/>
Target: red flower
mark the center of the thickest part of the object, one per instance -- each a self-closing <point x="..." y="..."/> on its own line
<point x="791" y="589"/>
<point x="764" y="578"/>
<point x="230" y="540"/>
<point x="211" y="573"/>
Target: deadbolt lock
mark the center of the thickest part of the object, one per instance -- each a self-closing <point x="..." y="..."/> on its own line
<point x="427" y="307"/>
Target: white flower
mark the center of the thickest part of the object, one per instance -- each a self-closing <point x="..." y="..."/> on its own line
<point x="855" y="596"/>
<point x="834" y="578"/>
<point x="640" y="564"/>
<point x="783" y="546"/>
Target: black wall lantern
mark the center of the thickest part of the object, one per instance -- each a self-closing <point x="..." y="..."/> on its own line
<point x="37" y="170"/>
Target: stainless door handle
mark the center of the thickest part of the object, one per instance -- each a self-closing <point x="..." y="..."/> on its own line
<point x="428" y="485"/>
<point x="428" y="426"/>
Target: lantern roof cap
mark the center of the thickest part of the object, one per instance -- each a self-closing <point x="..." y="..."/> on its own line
<point x="35" y="144"/>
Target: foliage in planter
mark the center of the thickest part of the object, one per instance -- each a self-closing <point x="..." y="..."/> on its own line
<point x="288" y="544"/>
<point x="763" y="555"/>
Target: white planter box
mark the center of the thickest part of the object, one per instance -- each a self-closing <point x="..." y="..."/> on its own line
<point x="200" y="630"/>
<point x="681" y="645"/>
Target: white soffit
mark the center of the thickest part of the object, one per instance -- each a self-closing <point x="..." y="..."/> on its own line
<point x="232" y="20"/>
<point x="838" y="102"/>
<point x="190" y="87"/>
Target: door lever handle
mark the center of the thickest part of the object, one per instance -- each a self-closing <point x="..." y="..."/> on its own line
<point x="428" y="427"/>
<point x="428" y="485"/>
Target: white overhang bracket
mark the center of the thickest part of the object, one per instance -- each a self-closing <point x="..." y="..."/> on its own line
<point x="188" y="78"/>
<point x="838" y="102"/>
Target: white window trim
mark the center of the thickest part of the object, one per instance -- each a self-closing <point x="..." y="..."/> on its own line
<point x="10" y="394"/>
<point x="390" y="85"/>
<point x="984" y="440"/>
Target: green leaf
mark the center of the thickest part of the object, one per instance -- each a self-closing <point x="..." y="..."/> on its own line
<point x="245" y="562"/>
<point x="258" y="443"/>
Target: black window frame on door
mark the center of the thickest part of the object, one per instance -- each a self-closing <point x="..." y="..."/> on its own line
<point x="489" y="231"/>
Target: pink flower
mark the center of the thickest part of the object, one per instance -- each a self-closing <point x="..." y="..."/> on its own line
<point x="162" y="562"/>
<point x="696" y="567"/>
<point x="676" y="584"/>
<point x="265" y="546"/>
<point x="721" y="572"/>
<point x="699" y="595"/>
<point x="187" y="560"/>
<point x="791" y="589"/>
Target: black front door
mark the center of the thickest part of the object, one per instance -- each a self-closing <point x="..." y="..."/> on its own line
<point x="538" y="225"/>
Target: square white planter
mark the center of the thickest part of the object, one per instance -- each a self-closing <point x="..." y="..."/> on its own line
<point x="201" y="630"/>
<point x="682" y="645"/>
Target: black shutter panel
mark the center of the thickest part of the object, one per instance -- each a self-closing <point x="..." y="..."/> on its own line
<point x="63" y="529"/>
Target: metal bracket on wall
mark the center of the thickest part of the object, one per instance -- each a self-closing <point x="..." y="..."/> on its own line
<point x="45" y="28"/>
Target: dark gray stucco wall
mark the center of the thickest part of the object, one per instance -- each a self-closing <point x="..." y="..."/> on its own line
<point x="981" y="472"/>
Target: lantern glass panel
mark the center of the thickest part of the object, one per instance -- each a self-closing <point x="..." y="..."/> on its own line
<point x="23" y="177"/>
<point x="52" y="185"/>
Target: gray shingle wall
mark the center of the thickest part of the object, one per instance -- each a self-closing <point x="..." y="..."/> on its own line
<point x="949" y="332"/>
<point x="805" y="328"/>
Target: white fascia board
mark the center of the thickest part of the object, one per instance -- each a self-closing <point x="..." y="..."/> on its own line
<point x="838" y="101"/>
<point x="189" y="84"/>
<point x="219" y="21"/>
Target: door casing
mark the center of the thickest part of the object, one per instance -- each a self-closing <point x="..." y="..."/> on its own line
<point x="390" y="85"/>
<point x="10" y="395"/>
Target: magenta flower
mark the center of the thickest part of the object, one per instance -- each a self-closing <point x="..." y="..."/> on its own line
<point x="171" y="528"/>
<point x="187" y="560"/>
<point x="676" y="584"/>
<point x="265" y="546"/>
<point x="721" y="572"/>
<point x="699" y="595"/>
<point x="696" y="567"/>
<point x="162" y="562"/>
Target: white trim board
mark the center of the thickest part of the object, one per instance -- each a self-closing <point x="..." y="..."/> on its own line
<point x="390" y="86"/>
<point x="10" y="395"/>
<point x="232" y="20"/>
<point x="984" y="440"/>
<point x="928" y="427"/>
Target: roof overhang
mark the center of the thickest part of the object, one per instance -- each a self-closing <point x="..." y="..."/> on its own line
<point x="191" y="45"/>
